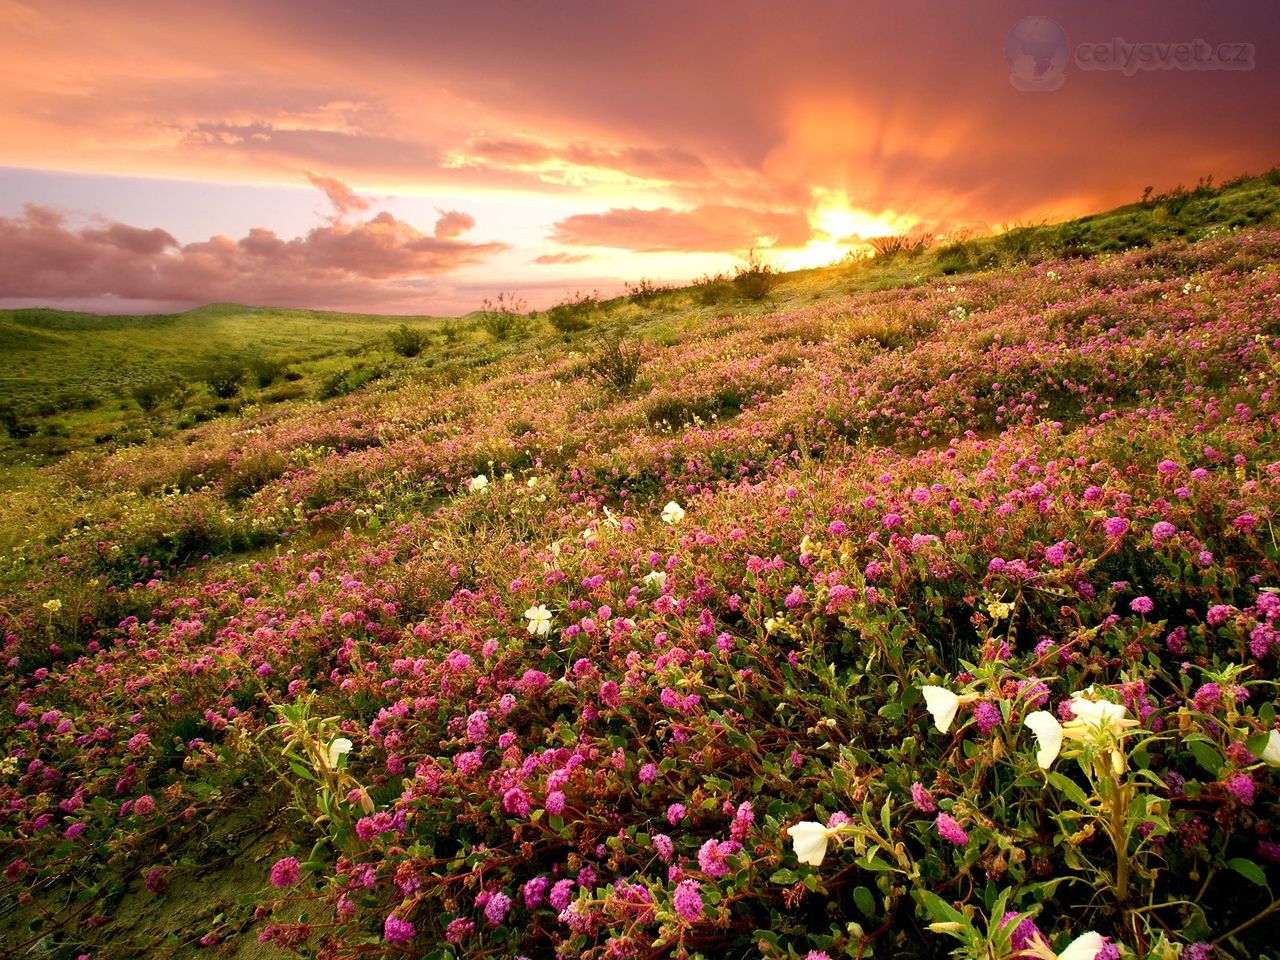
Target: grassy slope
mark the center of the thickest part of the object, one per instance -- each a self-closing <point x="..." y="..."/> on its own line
<point x="240" y="467"/>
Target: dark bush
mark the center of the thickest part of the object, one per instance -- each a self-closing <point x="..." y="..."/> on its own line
<point x="616" y="362"/>
<point x="505" y="317"/>
<point x="224" y="379"/>
<point x="408" y="341"/>
<point x="574" y="312"/>
<point x="754" y="279"/>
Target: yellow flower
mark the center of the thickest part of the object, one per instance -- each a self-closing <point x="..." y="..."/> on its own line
<point x="53" y="606"/>
<point x="477" y="483"/>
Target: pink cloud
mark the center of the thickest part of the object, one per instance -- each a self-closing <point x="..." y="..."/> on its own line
<point x="345" y="200"/>
<point x="380" y="260"/>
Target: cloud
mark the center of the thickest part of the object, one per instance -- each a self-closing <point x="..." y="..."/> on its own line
<point x="344" y="199"/>
<point x="710" y="228"/>
<point x="379" y="261"/>
<point x="549" y="258"/>
<point x="453" y="223"/>
<point x="520" y="153"/>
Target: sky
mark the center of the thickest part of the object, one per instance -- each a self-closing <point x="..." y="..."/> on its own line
<point x="418" y="156"/>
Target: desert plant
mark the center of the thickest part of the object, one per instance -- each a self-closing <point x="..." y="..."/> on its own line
<point x="645" y="292"/>
<point x="264" y="372"/>
<point x="615" y="362"/>
<point x="408" y="341"/>
<point x="574" y="312"/>
<point x="755" y="278"/>
<point x="151" y="393"/>
<point x="224" y="379"/>
<point x="504" y="317"/>
<point x="713" y="289"/>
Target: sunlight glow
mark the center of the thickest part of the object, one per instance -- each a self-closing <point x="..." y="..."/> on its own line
<point x="839" y="229"/>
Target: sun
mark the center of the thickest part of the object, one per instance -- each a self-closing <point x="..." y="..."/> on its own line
<point x="838" y="228"/>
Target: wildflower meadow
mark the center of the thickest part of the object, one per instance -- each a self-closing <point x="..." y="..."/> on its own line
<point x="940" y="620"/>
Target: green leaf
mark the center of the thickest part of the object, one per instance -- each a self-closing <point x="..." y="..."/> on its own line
<point x="1206" y="755"/>
<point x="865" y="901"/>
<point x="938" y="909"/>
<point x="302" y="771"/>
<point x="1258" y="743"/>
<point x="1249" y="870"/>
<point x="1070" y="788"/>
<point x="783" y="876"/>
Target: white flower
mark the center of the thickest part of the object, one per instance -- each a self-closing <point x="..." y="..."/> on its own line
<point x="477" y="483"/>
<point x="1084" y="947"/>
<point x="942" y="704"/>
<point x="809" y="839"/>
<point x="655" y="580"/>
<point x="672" y="513"/>
<point x="1048" y="732"/>
<point x="539" y="618"/>
<point x="1271" y="752"/>
<point x="338" y="749"/>
<point x="1094" y="719"/>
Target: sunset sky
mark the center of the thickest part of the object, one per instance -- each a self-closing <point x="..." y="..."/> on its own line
<point x="418" y="156"/>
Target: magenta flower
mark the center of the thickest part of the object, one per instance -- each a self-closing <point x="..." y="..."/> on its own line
<point x="949" y="829"/>
<point x="922" y="798"/>
<point x="1240" y="786"/>
<point x="688" y="900"/>
<point x="1115" y="527"/>
<point x="395" y="930"/>
<point x="1141" y="605"/>
<point x="495" y="911"/>
<point x="987" y="716"/>
<point x="285" y="872"/>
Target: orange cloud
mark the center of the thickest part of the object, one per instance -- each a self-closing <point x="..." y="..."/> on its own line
<point x="453" y="223"/>
<point x="553" y="258"/>
<point x="711" y="228"/>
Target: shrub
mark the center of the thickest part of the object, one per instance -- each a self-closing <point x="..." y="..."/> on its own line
<point x="754" y="279"/>
<point x="574" y="312"/>
<point x="713" y="289"/>
<point x="150" y="394"/>
<point x="348" y="380"/>
<point x="906" y="244"/>
<point x="265" y="372"/>
<point x="224" y="379"/>
<point x="408" y="341"/>
<point x="15" y="425"/>
<point x="451" y="330"/>
<point x="505" y="317"/>
<point x="645" y="292"/>
<point x="616" y="362"/>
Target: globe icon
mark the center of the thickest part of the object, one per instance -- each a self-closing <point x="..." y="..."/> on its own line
<point x="1037" y="51"/>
